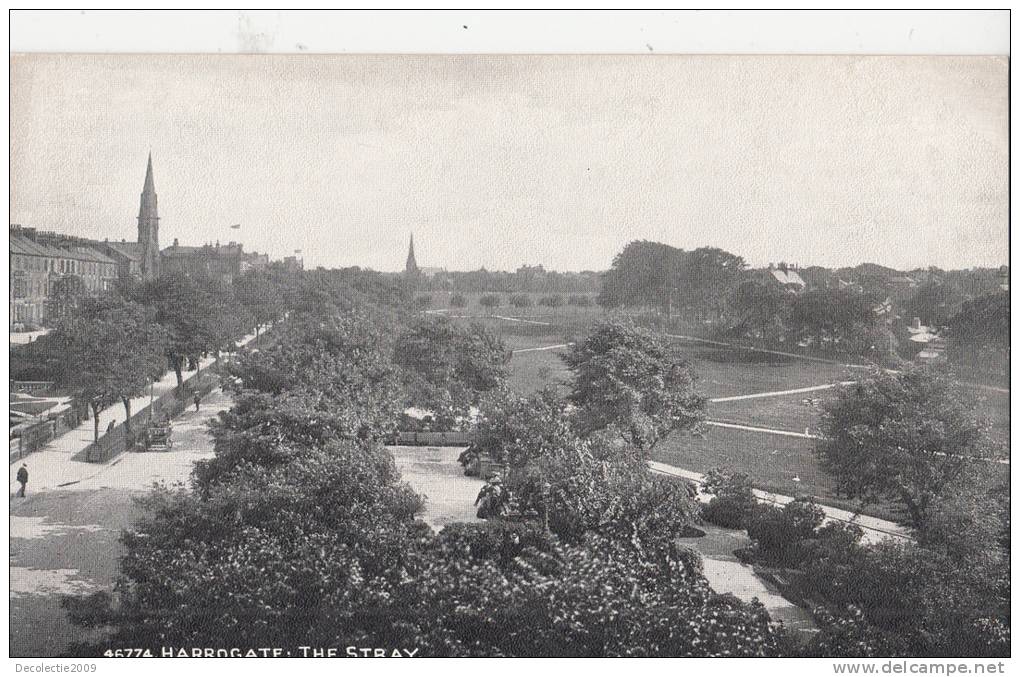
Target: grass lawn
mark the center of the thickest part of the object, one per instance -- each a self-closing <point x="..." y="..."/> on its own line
<point x="532" y="371"/>
<point x="782" y="412"/>
<point x="723" y="372"/>
<point x="790" y="412"/>
<point x="772" y="462"/>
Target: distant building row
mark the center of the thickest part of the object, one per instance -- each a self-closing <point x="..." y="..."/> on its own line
<point x="38" y="259"/>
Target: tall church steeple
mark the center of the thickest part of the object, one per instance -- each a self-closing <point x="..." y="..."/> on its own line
<point x="411" y="267"/>
<point x="148" y="226"/>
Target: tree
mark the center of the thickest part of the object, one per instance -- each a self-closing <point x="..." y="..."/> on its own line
<point x="262" y="296"/>
<point x="761" y="307"/>
<point x="490" y="301"/>
<point x="112" y="351"/>
<point x="553" y="301"/>
<point x="654" y="274"/>
<point x="840" y="319"/>
<point x="458" y="301"/>
<point x="978" y="336"/>
<point x="517" y="429"/>
<point x="704" y="279"/>
<point x="935" y="301"/>
<point x="640" y="276"/>
<point x="520" y="300"/>
<point x="327" y="377"/>
<point x="447" y="366"/>
<point x="901" y="598"/>
<point x="304" y="552"/>
<point x="66" y="295"/>
<point x="579" y="300"/>
<point x="634" y="381"/>
<point x="194" y="317"/>
<point x="910" y="436"/>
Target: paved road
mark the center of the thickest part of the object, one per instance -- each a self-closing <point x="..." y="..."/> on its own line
<point x="64" y="539"/>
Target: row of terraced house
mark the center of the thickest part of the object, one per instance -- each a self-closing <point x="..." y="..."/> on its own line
<point x="40" y="259"/>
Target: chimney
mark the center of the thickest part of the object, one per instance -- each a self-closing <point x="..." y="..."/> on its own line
<point x="176" y="242"/>
<point x="917" y="323"/>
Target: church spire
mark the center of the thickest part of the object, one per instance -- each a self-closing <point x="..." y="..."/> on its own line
<point x="150" y="185"/>
<point x="148" y="226"/>
<point x="411" y="268"/>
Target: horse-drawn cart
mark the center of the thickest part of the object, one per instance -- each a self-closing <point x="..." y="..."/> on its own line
<point x="158" y="436"/>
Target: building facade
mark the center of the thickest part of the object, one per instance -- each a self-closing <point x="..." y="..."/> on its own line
<point x="216" y="261"/>
<point x="39" y="259"/>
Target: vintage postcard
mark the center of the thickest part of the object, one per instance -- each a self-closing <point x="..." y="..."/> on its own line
<point x="509" y="355"/>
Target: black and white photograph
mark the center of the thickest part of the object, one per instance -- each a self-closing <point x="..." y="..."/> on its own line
<point x="322" y="353"/>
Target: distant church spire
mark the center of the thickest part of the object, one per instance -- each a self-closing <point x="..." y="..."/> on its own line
<point x="148" y="226"/>
<point x="411" y="268"/>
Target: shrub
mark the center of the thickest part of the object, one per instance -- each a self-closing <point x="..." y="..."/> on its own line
<point x="552" y="301"/>
<point x="780" y="533"/>
<point x="590" y="486"/>
<point x="921" y="599"/>
<point x="579" y="300"/>
<point x="520" y="300"/>
<point x="423" y="301"/>
<point x="733" y="501"/>
<point x="458" y="301"/>
<point x="497" y="540"/>
<point x="490" y="301"/>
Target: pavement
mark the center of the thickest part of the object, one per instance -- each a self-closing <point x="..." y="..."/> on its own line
<point x="64" y="535"/>
<point x="435" y="473"/>
<point x="59" y="462"/>
<point x="23" y="337"/>
<point x="727" y="574"/>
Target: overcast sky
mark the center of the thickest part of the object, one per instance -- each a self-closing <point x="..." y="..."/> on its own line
<point x="501" y="161"/>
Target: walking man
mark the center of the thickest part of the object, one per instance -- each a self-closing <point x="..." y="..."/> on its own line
<point x="198" y="398"/>
<point x="22" y="479"/>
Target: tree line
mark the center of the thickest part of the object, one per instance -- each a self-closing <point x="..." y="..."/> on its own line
<point x="109" y="347"/>
<point x="711" y="291"/>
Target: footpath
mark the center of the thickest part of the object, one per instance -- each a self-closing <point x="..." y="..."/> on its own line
<point x="60" y="462"/>
<point x="65" y="540"/>
<point x="875" y="529"/>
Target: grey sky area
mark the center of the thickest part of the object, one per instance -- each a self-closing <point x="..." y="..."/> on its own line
<point x="501" y="161"/>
